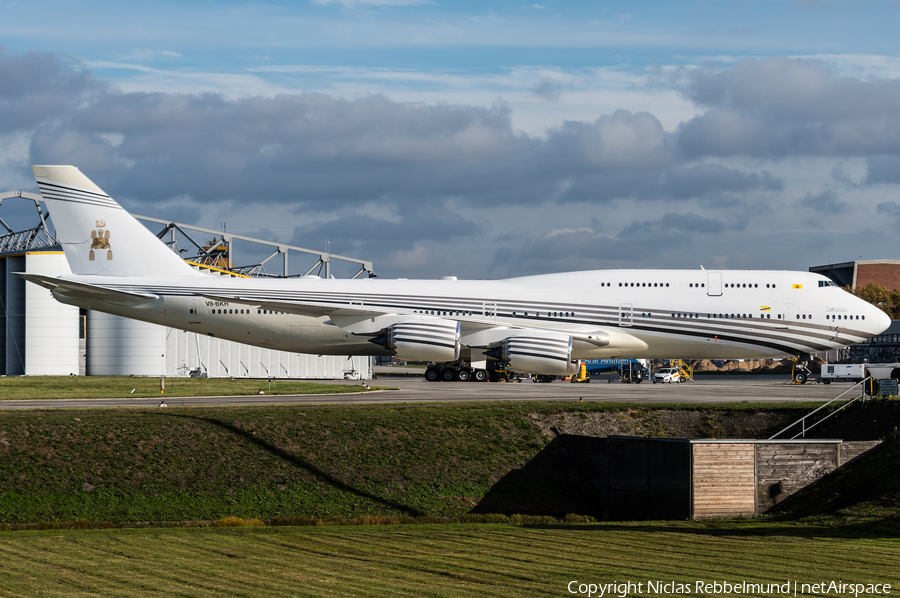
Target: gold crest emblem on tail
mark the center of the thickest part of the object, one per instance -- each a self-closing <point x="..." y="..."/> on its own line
<point x="100" y="240"/>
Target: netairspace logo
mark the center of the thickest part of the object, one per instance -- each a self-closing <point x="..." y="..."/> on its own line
<point x="725" y="588"/>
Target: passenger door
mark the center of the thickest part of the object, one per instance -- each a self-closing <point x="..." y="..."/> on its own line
<point x="714" y="284"/>
<point x="193" y="312"/>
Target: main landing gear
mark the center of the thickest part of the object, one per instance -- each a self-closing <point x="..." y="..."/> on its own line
<point x="449" y="373"/>
<point x="801" y="373"/>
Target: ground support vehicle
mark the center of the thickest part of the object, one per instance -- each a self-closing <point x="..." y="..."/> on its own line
<point x="582" y="376"/>
<point x="668" y="375"/>
<point x="632" y="372"/>
<point x="856" y="372"/>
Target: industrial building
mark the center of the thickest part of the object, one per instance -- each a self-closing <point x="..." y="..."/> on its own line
<point x="45" y="337"/>
<point x="884" y="348"/>
<point x="885" y="273"/>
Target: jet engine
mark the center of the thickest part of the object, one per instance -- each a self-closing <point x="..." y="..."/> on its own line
<point x="536" y="355"/>
<point x="421" y="340"/>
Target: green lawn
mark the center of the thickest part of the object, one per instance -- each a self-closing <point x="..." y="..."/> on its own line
<point x="184" y="464"/>
<point x="432" y="560"/>
<point x="385" y="463"/>
<point x="100" y="387"/>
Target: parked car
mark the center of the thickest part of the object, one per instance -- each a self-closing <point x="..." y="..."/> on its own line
<point x="668" y="375"/>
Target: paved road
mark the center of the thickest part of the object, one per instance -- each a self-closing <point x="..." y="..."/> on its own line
<point x="731" y="389"/>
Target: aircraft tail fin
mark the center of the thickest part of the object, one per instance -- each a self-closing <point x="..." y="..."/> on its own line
<point x="97" y="235"/>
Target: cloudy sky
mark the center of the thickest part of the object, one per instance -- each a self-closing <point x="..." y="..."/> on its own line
<point x="479" y="139"/>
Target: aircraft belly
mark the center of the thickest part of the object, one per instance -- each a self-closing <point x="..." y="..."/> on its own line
<point x="665" y="347"/>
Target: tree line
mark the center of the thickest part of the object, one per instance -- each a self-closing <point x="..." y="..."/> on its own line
<point x="887" y="301"/>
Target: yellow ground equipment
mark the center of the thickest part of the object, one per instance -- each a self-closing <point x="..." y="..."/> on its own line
<point x="582" y="375"/>
<point x="687" y="373"/>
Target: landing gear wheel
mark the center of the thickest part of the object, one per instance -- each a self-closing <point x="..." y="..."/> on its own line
<point x="800" y="377"/>
<point x="448" y="375"/>
<point x="479" y="375"/>
<point x="432" y="374"/>
<point x="464" y="375"/>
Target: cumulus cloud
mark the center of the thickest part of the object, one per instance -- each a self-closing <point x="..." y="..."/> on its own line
<point x="883" y="169"/>
<point x="413" y="226"/>
<point x="548" y="89"/>
<point x="404" y="181"/>
<point x="777" y="107"/>
<point x="39" y="86"/>
<point x="826" y="202"/>
<point x="890" y="209"/>
<point x="675" y="223"/>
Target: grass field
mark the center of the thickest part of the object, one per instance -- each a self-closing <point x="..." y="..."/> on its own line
<point x="102" y="387"/>
<point x="134" y="465"/>
<point x="390" y="462"/>
<point x="439" y="561"/>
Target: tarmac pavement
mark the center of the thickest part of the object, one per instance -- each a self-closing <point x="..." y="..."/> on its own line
<point x="703" y="390"/>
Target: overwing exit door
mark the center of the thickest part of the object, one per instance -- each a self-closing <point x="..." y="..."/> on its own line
<point x="626" y="314"/>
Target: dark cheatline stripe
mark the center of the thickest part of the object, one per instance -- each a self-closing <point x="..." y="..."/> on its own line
<point x="809" y="332"/>
<point x="539" y="355"/>
<point x="69" y="194"/>
<point x="415" y="337"/>
<point x="678" y="328"/>
<point x="756" y="340"/>
<point x="429" y="343"/>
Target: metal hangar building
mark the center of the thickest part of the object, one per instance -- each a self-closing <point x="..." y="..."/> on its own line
<point x="42" y="336"/>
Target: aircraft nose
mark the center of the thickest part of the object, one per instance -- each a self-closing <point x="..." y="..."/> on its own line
<point x="880" y="320"/>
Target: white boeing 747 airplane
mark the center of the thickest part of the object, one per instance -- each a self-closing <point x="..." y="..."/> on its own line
<point x="537" y="324"/>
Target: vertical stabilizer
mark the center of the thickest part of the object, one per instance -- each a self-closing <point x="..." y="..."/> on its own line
<point x="97" y="234"/>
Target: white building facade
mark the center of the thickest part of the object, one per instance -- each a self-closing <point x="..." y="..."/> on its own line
<point x="41" y="337"/>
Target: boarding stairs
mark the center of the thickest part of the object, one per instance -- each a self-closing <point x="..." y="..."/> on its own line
<point x="687" y="373"/>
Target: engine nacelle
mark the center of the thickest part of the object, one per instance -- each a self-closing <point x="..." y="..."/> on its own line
<point x="422" y="340"/>
<point x="536" y="355"/>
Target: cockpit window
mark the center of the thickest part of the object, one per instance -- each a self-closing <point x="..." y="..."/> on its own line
<point x="827" y="283"/>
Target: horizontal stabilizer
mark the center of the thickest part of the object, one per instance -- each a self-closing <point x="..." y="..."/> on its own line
<point x="79" y="290"/>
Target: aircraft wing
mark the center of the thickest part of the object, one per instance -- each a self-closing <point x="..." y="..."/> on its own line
<point x="343" y="316"/>
<point x="79" y="290"/>
<point x="477" y="332"/>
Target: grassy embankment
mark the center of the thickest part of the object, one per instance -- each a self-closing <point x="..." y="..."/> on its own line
<point x="101" y="387"/>
<point x="205" y="463"/>
<point x="187" y="464"/>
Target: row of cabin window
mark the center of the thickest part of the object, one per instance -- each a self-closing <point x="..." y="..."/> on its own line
<point x="727" y="316"/>
<point x="762" y="316"/>
<point x="246" y="312"/>
<point x="692" y="285"/>
<point x="550" y="314"/>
